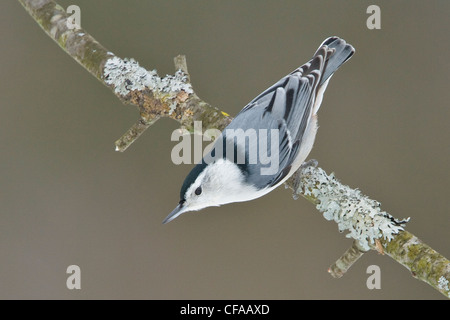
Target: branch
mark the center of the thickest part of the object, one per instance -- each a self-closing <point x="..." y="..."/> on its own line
<point x="349" y="257"/>
<point x="174" y="97"/>
<point x="370" y="227"/>
<point x="155" y="97"/>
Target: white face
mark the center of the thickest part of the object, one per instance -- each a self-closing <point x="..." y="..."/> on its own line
<point x="220" y="182"/>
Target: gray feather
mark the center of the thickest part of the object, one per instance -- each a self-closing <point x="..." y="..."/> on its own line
<point x="288" y="106"/>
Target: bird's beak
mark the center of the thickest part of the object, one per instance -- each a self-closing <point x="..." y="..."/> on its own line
<point x="175" y="213"/>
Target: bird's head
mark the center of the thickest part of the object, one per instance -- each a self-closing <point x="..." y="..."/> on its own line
<point x="209" y="185"/>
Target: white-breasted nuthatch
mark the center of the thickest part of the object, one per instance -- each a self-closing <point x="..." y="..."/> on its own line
<point x="283" y="122"/>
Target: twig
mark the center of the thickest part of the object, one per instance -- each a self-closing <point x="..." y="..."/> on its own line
<point x="181" y="64"/>
<point x="349" y="257"/>
<point x="133" y="133"/>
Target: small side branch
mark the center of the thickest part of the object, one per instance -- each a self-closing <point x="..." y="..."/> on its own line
<point x="133" y="133"/>
<point x="181" y="64"/>
<point x="344" y="263"/>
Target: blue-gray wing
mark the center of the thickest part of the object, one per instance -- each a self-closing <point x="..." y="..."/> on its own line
<point x="286" y="108"/>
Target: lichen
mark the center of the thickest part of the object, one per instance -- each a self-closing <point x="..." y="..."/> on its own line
<point x="443" y="283"/>
<point x="349" y="208"/>
<point x="125" y="75"/>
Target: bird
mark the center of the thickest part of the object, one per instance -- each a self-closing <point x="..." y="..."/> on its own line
<point x="280" y="123"/>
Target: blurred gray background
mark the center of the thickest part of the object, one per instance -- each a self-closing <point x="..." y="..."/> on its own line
<point x="66" y="197"/>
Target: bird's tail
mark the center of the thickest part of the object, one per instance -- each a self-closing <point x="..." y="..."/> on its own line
<point x="338" y="51"/>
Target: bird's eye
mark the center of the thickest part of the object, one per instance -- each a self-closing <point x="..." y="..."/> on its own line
<point x="198" y="191"/>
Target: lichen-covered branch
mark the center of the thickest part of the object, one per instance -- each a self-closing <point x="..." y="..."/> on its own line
<point x="173" y="96"/>
<point x="53" y="19"/>
<point x="424" y="262"/>
<point x="154" y="96"/>
<point x="370" y="227"/>
<point x="354" y="212"/>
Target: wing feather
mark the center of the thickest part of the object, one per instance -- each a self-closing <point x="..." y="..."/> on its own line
<point x="288" y="106"/>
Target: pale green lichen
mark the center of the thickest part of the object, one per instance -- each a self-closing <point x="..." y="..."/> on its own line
<point x="349" y="208"/>
<point x="125" y="75"/>
<point x="443" y="283"/>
